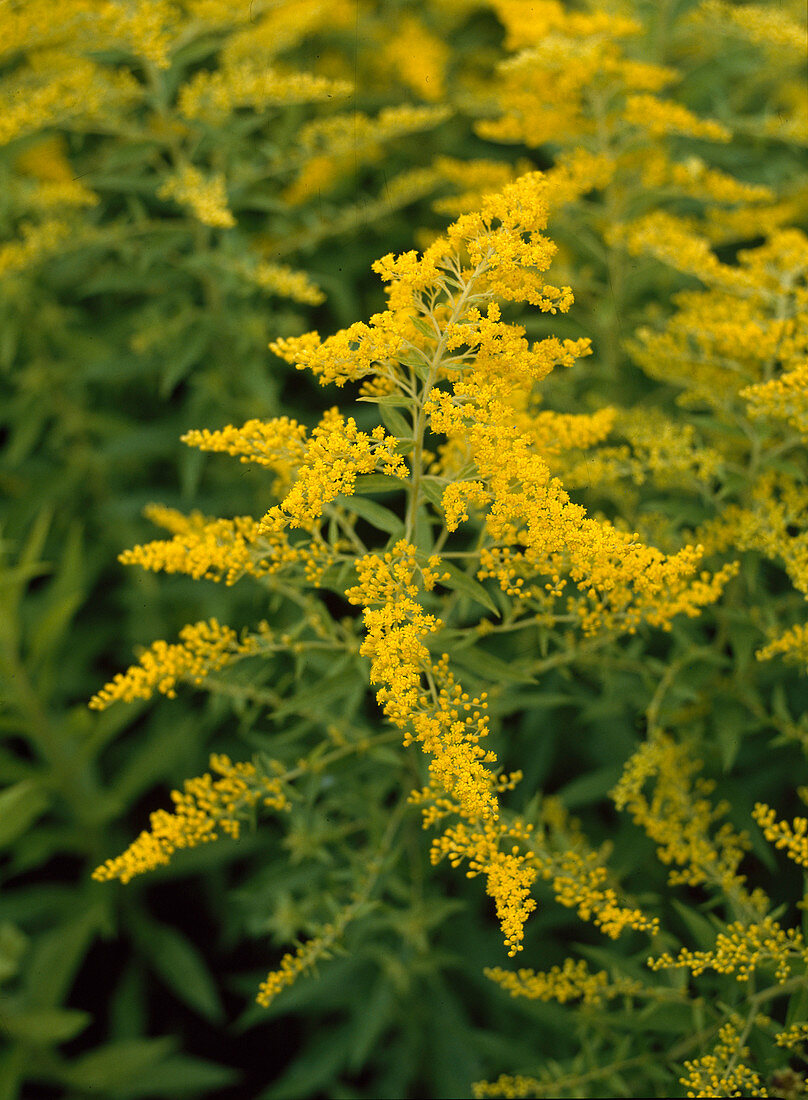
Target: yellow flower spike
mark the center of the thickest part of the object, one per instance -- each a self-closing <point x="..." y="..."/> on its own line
<point x="204" y="647"/>
<point x="205" y="195"/>
<point x="793" y="838"/>
<point x="204" y="808"/>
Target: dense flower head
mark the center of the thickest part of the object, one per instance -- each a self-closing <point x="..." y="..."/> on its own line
<point x="792" y="837"/>
<point x="572" y="981"/>
<point x="203" y="647"/>
<point x="216" y="549"/>
<point x="743" y="949"/>
<point x="336" y="453"/>
<point x="204" y="808"/>
<point x="679" y="817"/>
<point x="723" y="1072"/>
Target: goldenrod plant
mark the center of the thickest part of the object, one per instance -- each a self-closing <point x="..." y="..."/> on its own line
<point x="500" y="675"/>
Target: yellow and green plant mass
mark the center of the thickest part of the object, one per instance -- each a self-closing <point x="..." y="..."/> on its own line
<point x="484" y="324"/>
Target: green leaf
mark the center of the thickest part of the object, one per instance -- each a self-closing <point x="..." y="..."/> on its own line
<point x="461" y="582"/>
<point x="177" y="1075"/>
<point x="415" y="363"/>
<point x="590" y="788"/>
<point x="395" y="422"/>
<point x="391" y="400"/>
<point x="488" y="667"/>
<point x="374" y="513"/>
<point x="41" y="1026"/>
<point x="13" y="578"/>
<point x="422" y="535"/>
<point x="13" y="943"/>
<point x="20" y="805"/>
<point x="315" y="1067"/>
<point x="797" y="1011"/>
<point x="731" y="722"/>
<point x="51" y="627"/>
<point x="432" y="489"/>
<point x="115" y="1065"/>
<point x="700" y="928"/>
<point x="57" y="954"/>
<point x="378" y="1013"/>
<point x="424" y="329"/>
<point x="380" y="483"/>
<point x="190" y="351"/>
<point x="178" y="963"/>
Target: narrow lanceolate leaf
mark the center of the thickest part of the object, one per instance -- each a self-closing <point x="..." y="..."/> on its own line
<point x="395" y="422"/>
<point x="117" y="1064"/>
<point x="374" y="513"/>
<point x="178" y="963"/>
<point x="390" y="400"/>
<point x="379" y="483"/>
<point x="41" y="1026"/>
<point x="461" y="582"/>
<point x="20" y="805"/>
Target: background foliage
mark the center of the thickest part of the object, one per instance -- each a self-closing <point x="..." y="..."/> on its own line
<point x="183" y="183"/>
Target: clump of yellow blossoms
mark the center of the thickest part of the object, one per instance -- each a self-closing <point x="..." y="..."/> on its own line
<point x="443" y="353"/>
<point x="204" y="647"/>
<point x="722" y="1073"/>
<point x="205" y="809"/>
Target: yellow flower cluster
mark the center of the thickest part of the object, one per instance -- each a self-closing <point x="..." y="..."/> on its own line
<point x="793" y="838"/>
<point x="741" y="950"/>
<point x="579" y="882"/>
<point x="478" y="177"/>
<point x="216" y="549"/>
<point x="777" y="501"/>
<point x="350" y="354"/>
<point x="285" y="281"/>
<point x="783" y="398"/>
<point x="147" y="29"/>
<point x="55" y="86"/>
<point x="228" y="549"/>
<point x="37" y="243"/>
<point x="572" y="981"/>
<point x="418" y="58"/>
<point x="279" y="443"/>
<point x="205" y="195"/>
<point x="793" y="643"/>
<point x="204" y="808"/>
<point x="49" y="180"/>
<point x="679" y="818"/>
<point x="204" y="647"/>
<point x="793" y="1037"/>
<point x="723" y="343"/>
<point x="662" y="116"/>
<point x="211" y="96"/>
<point x="777" y="30"/>
<point x="329" y="148"/>
<point x="266" y="442"/>
<point x="271" y="29"/>
<point x="444" y="720"/>
<point x="335" y="454"/>
<point x="572" y="81"/>
<point x="624" y="581"/>
<point x="509" y="874"/>
<point x="696" y="178"/>
<point x="510" y="1087"/>
<point x="722" y="1073"/>
<point x="448" y="725"/>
